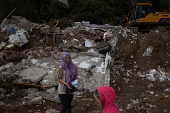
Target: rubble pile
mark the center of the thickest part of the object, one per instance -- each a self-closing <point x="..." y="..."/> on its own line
<point x="105" y="56"/>
<point x="145" y="55"/>
<point x="30" y="58"/>
<point x="141" y="64"/>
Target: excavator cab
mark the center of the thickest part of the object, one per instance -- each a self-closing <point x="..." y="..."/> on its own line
<point x="143" y="10"/>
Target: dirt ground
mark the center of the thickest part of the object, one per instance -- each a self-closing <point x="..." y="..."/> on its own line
<point x="136" y="89"/>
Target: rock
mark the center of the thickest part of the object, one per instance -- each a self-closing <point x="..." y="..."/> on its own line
<point x="2" y="90"/>
<point x="52" y="94"/>
<point x="50" y="79"/>
<point x="32" y="90"/>
<point x="71" y="34"/>
<point x="2" y="96"/>
<point x="90" y="43"/>
<point x="35" y="62"/>
<point x="52" y="111"/>
<point x="2" y="103"/>
<point x="35" y="101"/>
<point x="113" y="41"/>
<point x="33" y="74"/>
<point x="21" y="22"/>
<point x="136" y="67"/>
<point x="43" y="65"/>
<point x="87" y="62"/>
<point x="7" y="66"/>
<point x="25" y="62"/>
<point x="100" y="77"/>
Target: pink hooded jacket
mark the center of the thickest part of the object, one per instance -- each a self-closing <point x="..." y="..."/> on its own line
<point x="107" y="97"/>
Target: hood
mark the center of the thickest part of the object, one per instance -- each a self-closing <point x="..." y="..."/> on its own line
<point x="71" y="69"/>
<point x="107" y="96"/>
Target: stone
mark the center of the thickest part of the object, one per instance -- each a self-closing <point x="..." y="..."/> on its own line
<point x="86" y="62"/>
<point x="2" y="90"/>
<point x="71" y="34"/>
<point x="52" y="111"/>
<point x="35" y="101"/>
<point x="2" y="96"/>
<point x="34" y="61"/>
<point x="25" y="62"/>
<point x="2" y="103"/>
<point x="32" y="90"/>
<point x="7" y="66"/>
<point x="89" y="43"/>
<point x="50" y="79"/>
<point x="100" y="77"/>
<point x="52" y="94"/>
<point x="33" y="74"/>
<point x="43" y="65"/>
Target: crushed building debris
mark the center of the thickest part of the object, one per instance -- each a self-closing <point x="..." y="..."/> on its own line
<point x="105" y="55"/>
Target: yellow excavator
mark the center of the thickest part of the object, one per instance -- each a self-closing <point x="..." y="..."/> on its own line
<point x="142" y="15"/>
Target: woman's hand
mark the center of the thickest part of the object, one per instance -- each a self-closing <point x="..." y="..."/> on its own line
<point x="78" y="80"/>
<point x="68" y="86"/>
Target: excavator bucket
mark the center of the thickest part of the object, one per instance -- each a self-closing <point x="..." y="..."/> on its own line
<point x="62" y="3"/>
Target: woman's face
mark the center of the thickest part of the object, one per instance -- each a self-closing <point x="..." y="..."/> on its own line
<point x="67" y="59"/>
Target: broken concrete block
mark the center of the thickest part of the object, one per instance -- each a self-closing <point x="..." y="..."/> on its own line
<point x="2" y="103"/>
<point x="100" y="77"/>
<point x="32" y="90"/>
<point x="113" y="41"/>
<point x="35" y="101"/>
<point x="52" y="94"/>
<point x="3" y="44"/>
<point x="7" y="66"/>
<point x="2" y="96"/>
<point x="50" y="79"/>
<point x="2" y="90"/>
<point x="89" y="43"/>
<point x="33" y="74"/>
<point x="25" y="62"/>
<point x="35" y="62"/>
<point x="43" y="65"/>
<point x="21" y="22"/>
<point x="87" y="62"/>
<point x="71" y="34"/>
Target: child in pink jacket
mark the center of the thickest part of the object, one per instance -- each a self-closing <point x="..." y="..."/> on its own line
<point x="107" y="96"/>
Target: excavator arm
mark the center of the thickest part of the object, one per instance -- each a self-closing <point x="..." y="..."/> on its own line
<point x="132" y="3"/>
<point x="62" y="3"/>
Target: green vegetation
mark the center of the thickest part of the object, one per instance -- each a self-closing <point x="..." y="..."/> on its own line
<point x="95" y="11"/>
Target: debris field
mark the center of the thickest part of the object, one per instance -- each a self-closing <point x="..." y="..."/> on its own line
<point x="136" y="65"/>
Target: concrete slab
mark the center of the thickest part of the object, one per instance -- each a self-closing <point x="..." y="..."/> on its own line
<point x="87" y="62"/>
<point x="50" y="79"/>
<point x="35" y="101"/>
<point x="33" y="74"/>
<point x="7" y="66"/>
<point x="100" y="77"/>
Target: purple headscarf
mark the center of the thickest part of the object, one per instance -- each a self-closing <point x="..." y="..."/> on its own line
<point x="71" y="69"/>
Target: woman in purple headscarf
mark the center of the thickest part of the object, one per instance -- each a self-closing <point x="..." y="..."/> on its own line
<point x="67" y="74"/>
